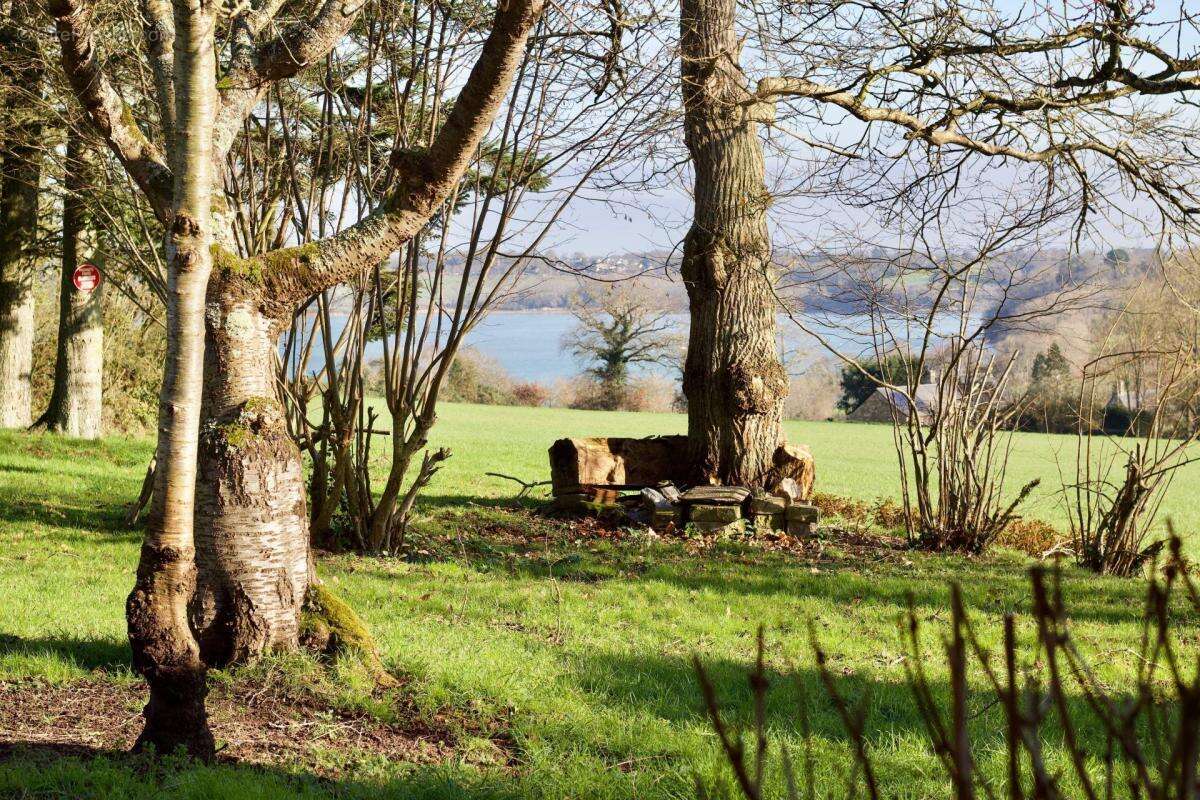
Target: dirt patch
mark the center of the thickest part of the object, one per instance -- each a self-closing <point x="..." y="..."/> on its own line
<point x="254" y="722"/>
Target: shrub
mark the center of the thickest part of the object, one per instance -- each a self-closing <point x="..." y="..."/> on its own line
<point x="476" y="378"/>
<point x="530" y="394"/>
<point x="649" y="393"/>
<point x="814" y="394"/>
<point x="652" y="393"/>
<point x="134" y="350"/>
<point x="1147" y="727"/>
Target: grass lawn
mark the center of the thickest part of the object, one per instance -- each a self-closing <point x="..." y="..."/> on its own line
<point x="555" y="663"/>
<point x="853" y="459"/>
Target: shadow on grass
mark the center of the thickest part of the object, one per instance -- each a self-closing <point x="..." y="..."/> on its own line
<point x="434" y="502"/>
<point x="104" y="516"/>
<point x="666" y="688"/>
<point x="986" y="588"/>
<point x="883" y="578"/>
<point x="89" y="654"/>
<point x="40" y="769"/>
<point x="28" y="470"/>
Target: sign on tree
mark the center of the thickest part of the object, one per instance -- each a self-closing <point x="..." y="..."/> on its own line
<point x="87" y="277"/>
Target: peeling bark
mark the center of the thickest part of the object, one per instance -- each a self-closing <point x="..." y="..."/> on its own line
<point x="246" y="517"/>
<point x="251" y="522"/>
<point x="252" y="534"/>
<point x="733" y="380"/>
<point x="165" y="651"/>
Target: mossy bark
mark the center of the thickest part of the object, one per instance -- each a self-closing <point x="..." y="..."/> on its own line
<point x="333" y="629"/>
<point x="251" y="523"/>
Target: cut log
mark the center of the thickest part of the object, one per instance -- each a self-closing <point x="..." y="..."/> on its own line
<point x="608" y="461"/>
<point x="716" y="495"/>
<point x="796" y="462"/>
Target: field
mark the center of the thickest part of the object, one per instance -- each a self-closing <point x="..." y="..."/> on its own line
<point x="537" y="658"/>
<point x="855" y="460"/>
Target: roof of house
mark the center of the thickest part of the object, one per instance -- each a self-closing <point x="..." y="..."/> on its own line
<point x="925" y="397"/>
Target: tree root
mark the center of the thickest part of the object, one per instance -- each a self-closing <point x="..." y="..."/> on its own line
<point x="329" y="626"/>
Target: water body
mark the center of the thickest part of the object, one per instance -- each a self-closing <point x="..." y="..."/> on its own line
<point x="529" y="345"/>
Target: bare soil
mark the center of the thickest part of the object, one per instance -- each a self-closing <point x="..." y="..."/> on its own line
<point x="254" y="721"/>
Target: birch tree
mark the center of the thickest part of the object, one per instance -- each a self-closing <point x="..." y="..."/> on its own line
<point x="227" y="534"/>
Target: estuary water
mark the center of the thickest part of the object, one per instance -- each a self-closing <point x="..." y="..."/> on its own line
<point x="529" y="345"/>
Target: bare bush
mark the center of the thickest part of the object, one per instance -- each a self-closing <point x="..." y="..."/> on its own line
<point x="956" y="465"/>
<point x="654" y="393"/>
<point x="559" y="131"/>
<point x="814" y="393"/>
<point x="1150" y="726"/>
<point x="530" y="394"/>
<point x="924" y="310"/>
<point x="1149" y="369"/>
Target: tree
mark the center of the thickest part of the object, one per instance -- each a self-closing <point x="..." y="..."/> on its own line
<point x="76" y="402"/>
<point x="21" y="86"/>
<point x="733" y="379"/>
<point x="860" y="381"/>
<point x="899" y="102"/>
<point x="615" y="330"/>
<point x="555" y="134"/>
<point x="1050" y="367"/>
<point x="250" y="568"/>
<point x="1048" y="406"/>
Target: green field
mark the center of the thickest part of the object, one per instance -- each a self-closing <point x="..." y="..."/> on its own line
<point x="856" y="460"/>
<point x="576" y="649"/>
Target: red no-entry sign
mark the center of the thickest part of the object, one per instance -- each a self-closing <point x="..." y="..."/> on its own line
<point x="86" y="277"/>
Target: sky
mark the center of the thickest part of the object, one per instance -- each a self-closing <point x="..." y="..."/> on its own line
<point x="639" y="221"/>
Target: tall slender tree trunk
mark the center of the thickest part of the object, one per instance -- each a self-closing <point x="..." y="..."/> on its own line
<point x="76" y="404"/>
<point x="164" y="648"/>
<point x="733" y="380"/>
<point x="16" y="338"/>
<point x="251" y="524"/>
<point x="21" y="158"/>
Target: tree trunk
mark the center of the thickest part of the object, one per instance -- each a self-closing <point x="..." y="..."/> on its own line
<point x="16" y="342"/>
<point x="77" y="400"/>
<point x="251" y="523"/>
<point x="164" y="650"/>
<point x="733" y="379"/>
<point x="22" y="171"/>
<point x="251" y="526"/>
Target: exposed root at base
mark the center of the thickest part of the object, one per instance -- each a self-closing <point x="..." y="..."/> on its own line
<point x="332" y="629"/>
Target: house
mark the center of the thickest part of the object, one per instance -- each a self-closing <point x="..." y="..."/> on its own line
<point x="885" y="402"/>
<point x="1127" y="412"/>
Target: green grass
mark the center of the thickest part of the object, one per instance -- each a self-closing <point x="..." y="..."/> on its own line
<point x="582" y="646"/>
<point x="856" y="460"/>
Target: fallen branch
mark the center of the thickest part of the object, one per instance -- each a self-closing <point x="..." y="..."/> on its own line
<point x="526" y="486"/>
